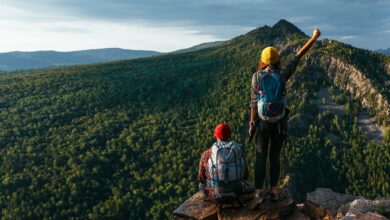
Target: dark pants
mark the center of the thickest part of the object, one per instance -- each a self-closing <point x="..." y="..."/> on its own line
<point x="268" y="141"/>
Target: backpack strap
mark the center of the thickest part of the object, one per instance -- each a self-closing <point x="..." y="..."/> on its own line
<point x="214" y="177"/>
<point x="258" y="83"/>
<point x="258" y="79"/>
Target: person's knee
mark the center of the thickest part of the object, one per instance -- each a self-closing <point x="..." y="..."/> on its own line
<point x="274" y="156"/>
<point x="275" y="152"/>
<point x="261" y="156"/>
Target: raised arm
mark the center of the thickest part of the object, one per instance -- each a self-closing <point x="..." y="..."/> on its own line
<point x="291" y="67"/>
<point x="309" y="43"/>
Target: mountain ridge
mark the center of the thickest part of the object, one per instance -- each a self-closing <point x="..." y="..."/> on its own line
<point x="18" y="60"/>
<point x="384" y="51"/>
<point x="123" y="139"/>
<point x="200" y="47"/>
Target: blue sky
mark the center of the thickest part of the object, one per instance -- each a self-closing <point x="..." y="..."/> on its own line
<point x="167" y="25"/>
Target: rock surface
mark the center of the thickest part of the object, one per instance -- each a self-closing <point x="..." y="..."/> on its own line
<point x="324" y="203"/>
<point x="357" y="84"/>
<point x="360" y="208"/>
<point x="321" y="204"/>
<point x="329" y="200"/>
<point x="366" y="216"/>
<point x="314" y="211"/>
<point x="197" y="208"/>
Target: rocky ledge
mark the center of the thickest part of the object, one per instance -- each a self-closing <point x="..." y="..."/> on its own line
<point x="320" y="204"/>
<point x="347" y="207"/>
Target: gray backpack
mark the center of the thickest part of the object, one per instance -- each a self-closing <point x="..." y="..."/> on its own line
<point x="227" y="169"/>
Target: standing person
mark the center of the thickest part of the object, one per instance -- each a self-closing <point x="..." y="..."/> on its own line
<point x="268" y="109"/>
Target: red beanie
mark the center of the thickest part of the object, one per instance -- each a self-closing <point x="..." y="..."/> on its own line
<point x="222" y="132"/>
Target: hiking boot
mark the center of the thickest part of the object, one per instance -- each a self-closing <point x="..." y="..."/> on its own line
<point x="259" y="193"/>
<point x="257" y="200"/>
<point x="275" y="193"/>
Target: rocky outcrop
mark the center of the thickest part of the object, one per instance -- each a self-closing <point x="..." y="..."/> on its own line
<point x="370" y="126"/>
<point x="349" y="78"/>
<point x="367" y="124"/>
<point x="388" y="68"/>
<point x="364" y="207"/>
<point x="321" y="204"/>
<point x="197" y="207"/>
<point x="324" y="203"/>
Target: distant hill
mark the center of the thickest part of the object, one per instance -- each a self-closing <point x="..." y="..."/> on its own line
<point x="122" y="140"/>
<point x="41" y="59"/>
<point x="384" y="51"/>
<point x="200" y="47"/>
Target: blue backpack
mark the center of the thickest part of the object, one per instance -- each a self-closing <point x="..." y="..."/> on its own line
<point x="271" y="96"/>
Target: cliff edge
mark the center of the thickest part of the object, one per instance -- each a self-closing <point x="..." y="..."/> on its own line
<point x="321" y="204"/>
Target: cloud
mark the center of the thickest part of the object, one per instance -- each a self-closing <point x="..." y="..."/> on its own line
<point x="98" y="35"/>
<point x="347" y="37"/>
<point x="215" y="19"/>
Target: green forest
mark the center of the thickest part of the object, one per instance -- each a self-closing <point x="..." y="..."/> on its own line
<point x="122" y="140"/>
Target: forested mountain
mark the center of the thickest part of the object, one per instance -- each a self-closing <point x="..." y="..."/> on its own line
<point x="41" y="59"/>
<point x="200" y="47"/>
<point x="122" y="140"/>
<point x="384" y="51"/>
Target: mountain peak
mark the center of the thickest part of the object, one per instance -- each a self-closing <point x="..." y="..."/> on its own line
<point x="286" y="27"/>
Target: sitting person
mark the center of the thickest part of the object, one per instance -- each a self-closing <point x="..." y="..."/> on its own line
<point x="223" y="168"/>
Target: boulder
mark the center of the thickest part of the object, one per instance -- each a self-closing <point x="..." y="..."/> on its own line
<point x="314" y="211"/>
<point x="321" y="204"/>
<point x="365" y="216"/>
<point x="328" y="200"/>
<point x="197" y="207"/>
<point x="324" y="203"/>
<point x="364" y="208"/>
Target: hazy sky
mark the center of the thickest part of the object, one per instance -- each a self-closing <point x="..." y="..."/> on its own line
<point x="167" y="25"/>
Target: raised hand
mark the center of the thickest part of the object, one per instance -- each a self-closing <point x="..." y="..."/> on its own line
<point x="309" y="43"/>
<point x="316" y="33"/>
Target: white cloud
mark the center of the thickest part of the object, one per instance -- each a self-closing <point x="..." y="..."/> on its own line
<point x="299" y="19"/>
<point x="348" y="37"/>
<point x="65" y="35"/>
<point x="173" y="24"/>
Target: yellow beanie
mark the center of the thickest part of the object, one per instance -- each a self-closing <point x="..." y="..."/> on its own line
<point x="270" y="56"/>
